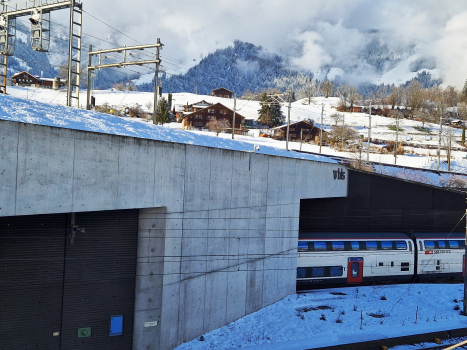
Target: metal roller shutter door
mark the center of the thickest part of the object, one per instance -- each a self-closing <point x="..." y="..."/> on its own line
<point x="31" y="280"/>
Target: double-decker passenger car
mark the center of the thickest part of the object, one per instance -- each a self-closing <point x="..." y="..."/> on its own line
<point x="439" y="255"/>
<point x="354" y="257"/>
<point x="350" y="258"/>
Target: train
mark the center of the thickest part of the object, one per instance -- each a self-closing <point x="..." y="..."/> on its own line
<point x="363" y="258"/>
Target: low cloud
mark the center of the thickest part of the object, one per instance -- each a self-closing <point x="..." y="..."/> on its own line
<point x="312" y="34"/>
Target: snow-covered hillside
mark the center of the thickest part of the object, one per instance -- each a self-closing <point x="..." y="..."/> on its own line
<point x="416" y="156"/>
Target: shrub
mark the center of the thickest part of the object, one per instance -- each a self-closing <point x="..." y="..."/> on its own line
<point x="454" y="181"/>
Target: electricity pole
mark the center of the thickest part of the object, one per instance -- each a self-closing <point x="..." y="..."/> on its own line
<point x="369" y="139"/>
<point x="88" y="92"/>
<point x="397" y="137"/>
<point x="124" y="63"/>
<point x="288" y="121"/>
<point x="321" y="129"/>
<point x="439" y="141"/>
<point x="301" y="138"/>
<point x="233" y="119"/>
<point x="156" y="81"/>
<point x="40" y="40"/>
<point x="343" y="129"/>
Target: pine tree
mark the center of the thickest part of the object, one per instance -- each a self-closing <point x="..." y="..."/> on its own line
<point x="270" y="112"/>
<point x="163" y="112"/>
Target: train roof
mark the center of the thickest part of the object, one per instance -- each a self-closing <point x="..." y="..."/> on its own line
<point x="352" y="235"/>
<point x="441" y="235"/>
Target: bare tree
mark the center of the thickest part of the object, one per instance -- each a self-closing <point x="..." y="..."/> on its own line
<point x="354" y="96"/>
<point x="447" y="137"/>
<point x="454" y="181"/>
<point x="342" y="134"/>
<point x="309" y="90"/>
<point x="451" y="96"/>
<point x="343" y="93"/>
<point x="217" y="126"/>
<point x="337" y="117"/>
<point x="414" y="95"/>
<point x="327" y="87"/>
<point x="395" y="97"/>
<point x="119" y="86"/>
<point x="135" y="110"/>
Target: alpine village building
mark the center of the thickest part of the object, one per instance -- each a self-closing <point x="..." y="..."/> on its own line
<point x="307" y="131"/>
<point x="199" y="114"/>
<point x="26" y="79"/>
<point x="222" y="92"/>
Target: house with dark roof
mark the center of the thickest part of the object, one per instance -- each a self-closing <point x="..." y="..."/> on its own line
<point x="305" y="130"/>
<point x="222" y="92"/>
<point x="26" y="79"/>
<point x="199" y="118"/>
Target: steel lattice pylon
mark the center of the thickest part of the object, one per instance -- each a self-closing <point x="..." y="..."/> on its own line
<point x="41" y="27"/>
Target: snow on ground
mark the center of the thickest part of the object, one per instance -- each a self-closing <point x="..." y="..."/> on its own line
<point x="417" y="156"/>
<point x="333" y="316"/>
<point x="28" y="111"/>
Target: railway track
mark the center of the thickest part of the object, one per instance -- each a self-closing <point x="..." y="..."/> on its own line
<point x="423" y="341"/>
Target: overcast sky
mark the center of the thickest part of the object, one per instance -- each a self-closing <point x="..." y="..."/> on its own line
<point x="313" y="32"/>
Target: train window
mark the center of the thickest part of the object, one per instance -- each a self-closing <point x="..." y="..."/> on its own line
<point x="371" y="246"/>
<point x="441" y="244"/>
<point x="385" y="245"/>
<point x="461" y="244"/>
<point x="355" y="245"/>
<point x="336" y="271"/>
<point x="429" y="245"/>
<point x="405" y="266"/>
<point x="453" y="244"/>
<point x="380" y="264"/>
<point x="337" y="245"/>
<point x="302" y="246"/>
<point x="392" y="263"/>
<point x="401" y="245"/>
<point x="318" y="272"/>
<point x="320" y="246"/>
<point x="301" y="272"/>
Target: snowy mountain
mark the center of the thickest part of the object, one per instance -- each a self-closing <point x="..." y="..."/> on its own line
<point x="241" y="67"/>
<point x="246" y="66"/>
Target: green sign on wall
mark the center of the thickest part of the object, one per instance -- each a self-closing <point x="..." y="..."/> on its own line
<point x="84" y="332"/>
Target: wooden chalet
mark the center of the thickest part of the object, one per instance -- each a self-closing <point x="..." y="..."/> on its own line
<point x="181" y="110"/>
<point x="357" y="109"/>
<point x="222" y="92"/>
<point x="199" y="118"/>
<point x="26" y="79"/>
<point x="308" y="131"/>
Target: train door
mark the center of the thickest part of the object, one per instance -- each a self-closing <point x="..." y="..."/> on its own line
<point x="355" y="270"/>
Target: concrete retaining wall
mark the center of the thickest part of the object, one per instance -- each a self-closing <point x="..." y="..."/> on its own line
<point x="218" y="228"/>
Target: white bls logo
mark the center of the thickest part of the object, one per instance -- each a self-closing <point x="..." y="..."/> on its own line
<point x="339" y="174"/>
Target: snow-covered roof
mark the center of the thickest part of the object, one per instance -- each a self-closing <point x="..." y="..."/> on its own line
<point x="33" y="112"/>
<point x="20" y="73"/>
